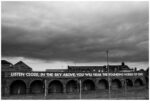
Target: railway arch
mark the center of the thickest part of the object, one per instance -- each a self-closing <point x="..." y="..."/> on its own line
<point x="18" y="87"/>
<point x="138" y="82"/>
<point x="116" y="84"/>
<point x="103" y="84"/>
<point x="72" y="86"/>
<point x="88" y="85"/>
<point x="37" y="87"/>
<point x="55" y="86"/>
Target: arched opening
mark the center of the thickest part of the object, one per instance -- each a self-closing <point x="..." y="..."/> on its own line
<point x="138" y="82"/>
<point x="147" y="80"/>
<point x="72" y="86"/>
<point x="116" y="84"/>
<point x="37" y="87"/>
<point x="55" y="87"/>
<point x="103" y="84"/>
<point x="129" y="83"/>
<point x="18" y="87"/>
<point x="88" y="85"/>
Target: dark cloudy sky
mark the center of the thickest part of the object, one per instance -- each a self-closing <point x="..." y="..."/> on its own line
<point x="57" y="34"/>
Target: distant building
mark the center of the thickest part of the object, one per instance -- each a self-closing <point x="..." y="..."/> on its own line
<point x="7" y="66"/>
<point x="56" y="70"/>
<point x="112" y="68"/>
<point x="19" y="66"/>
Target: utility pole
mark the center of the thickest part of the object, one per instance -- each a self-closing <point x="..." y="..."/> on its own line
<point x="45" y="92"/>
<point x="108" y="74"/>
<point x="80" y="89"/>
<point x="125" y="84"/>
<point x="125" y="81"/>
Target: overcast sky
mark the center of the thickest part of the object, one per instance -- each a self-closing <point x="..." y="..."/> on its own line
<point x="57" y="34"/>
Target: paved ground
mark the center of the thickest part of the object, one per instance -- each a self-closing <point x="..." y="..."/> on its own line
<point x="129" y="94"/>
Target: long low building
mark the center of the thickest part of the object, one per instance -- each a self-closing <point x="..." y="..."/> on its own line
<point x="19" y="79"/>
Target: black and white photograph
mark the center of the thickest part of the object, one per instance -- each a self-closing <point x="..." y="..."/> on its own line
<point x="75" y="50"/>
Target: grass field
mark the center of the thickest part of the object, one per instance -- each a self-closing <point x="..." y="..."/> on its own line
<point x="129" y="94"/>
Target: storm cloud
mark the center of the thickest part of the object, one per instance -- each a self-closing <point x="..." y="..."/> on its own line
<point x="76" y="31"/>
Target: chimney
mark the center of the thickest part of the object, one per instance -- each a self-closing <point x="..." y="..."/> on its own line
<point x="122" y="64"/>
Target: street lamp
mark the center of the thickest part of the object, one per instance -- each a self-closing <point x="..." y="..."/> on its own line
<point x="107" y="52"/>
